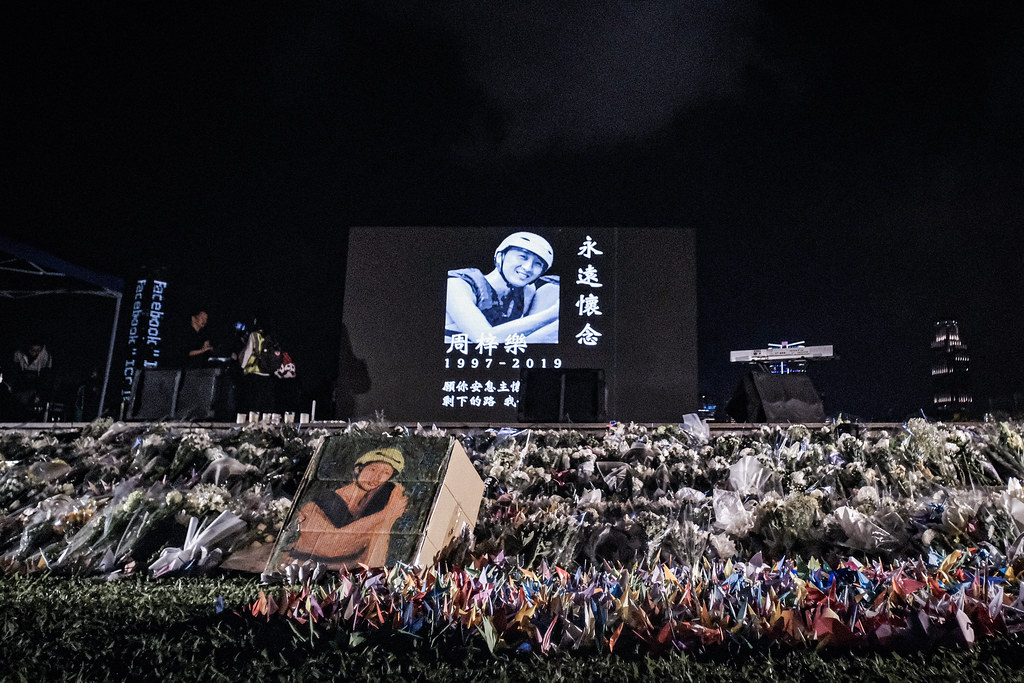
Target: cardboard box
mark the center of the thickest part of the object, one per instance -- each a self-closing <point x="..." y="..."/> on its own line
<point x="379" y="500"/>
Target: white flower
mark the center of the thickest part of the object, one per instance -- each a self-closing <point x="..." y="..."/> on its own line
<point x="1013" y="501"/>
<point x="723" y="545"/>
<point x="688" y="495"/>
<point x="214" y="453"/>
<point x="248" y="452"/>
<point x="747" y="476"/>
<point x="866" y="495"/>
<point x="586" y="468"/>
<point x="198" y="439"/>
<point x="792" y="451"/>
<point x="1013" y="438"/>
<point x="730" y="515"/>
<point x="86" y="443"/>
<point x="40" y="442"/>
<point x="206" y="498"/>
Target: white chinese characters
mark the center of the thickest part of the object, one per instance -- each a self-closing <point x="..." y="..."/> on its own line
<point x="588" y="336"/>
<point x="589" y="304"/>
<point x="588" y="276"/>
<point x="589" y="248"/>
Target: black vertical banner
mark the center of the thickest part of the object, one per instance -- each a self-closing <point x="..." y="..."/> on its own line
<point x="147" y="330"/>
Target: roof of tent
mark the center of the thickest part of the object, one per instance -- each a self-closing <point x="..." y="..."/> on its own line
<point x="27" y="271"/>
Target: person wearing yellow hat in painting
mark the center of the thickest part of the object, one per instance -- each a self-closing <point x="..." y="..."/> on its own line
<point x="352" y="524"/>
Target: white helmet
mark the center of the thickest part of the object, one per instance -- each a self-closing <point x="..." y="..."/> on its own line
<point x="531" y="242"/>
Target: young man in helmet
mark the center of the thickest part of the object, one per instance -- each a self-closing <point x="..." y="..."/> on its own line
<point x="504" y="301"/>
<point x="352" y="524"/>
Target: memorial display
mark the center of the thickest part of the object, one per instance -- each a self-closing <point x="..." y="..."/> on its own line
<point x="515" y="300"/>
<point x="373" y="501"/>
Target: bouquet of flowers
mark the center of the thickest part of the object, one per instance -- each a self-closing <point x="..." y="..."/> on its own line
<point x="113" y="495"/>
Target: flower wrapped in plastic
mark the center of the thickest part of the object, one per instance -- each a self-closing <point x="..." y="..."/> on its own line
<point x="748" y="477"/>
<point x="880" y="532"/>
<point x="199" y="551"/>
<point x="731" y="515"/>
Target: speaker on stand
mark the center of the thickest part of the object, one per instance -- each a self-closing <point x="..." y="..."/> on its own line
<point x="556" y="395"/>
<point x="191" y="394"/>
<point x="784" y="398"/>
<point x="154" y="394"/>
<point x="204" y="395"/>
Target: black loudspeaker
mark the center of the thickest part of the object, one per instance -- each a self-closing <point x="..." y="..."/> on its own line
<point x="549" y="395"/>
<point x="764" y="397"/>
<point x="202" y="394"/>
<point x="154" y="394"/>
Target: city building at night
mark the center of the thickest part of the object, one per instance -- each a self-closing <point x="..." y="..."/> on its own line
<point x="951" y="387"/>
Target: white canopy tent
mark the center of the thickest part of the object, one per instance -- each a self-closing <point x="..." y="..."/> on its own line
<point x="27" y="271"/>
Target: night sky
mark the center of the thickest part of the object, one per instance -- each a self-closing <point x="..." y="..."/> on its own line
<point x="851" y="173"/>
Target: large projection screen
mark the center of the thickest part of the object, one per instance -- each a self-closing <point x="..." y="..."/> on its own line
<point x="626" y="308"/>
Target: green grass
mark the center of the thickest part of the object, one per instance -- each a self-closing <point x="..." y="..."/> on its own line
<point x="57" y="628"/>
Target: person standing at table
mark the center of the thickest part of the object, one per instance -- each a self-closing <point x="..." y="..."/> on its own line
<point x="198" y="349"/>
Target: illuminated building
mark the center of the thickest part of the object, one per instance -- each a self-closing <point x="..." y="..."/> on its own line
<point x="951" y="392"/>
